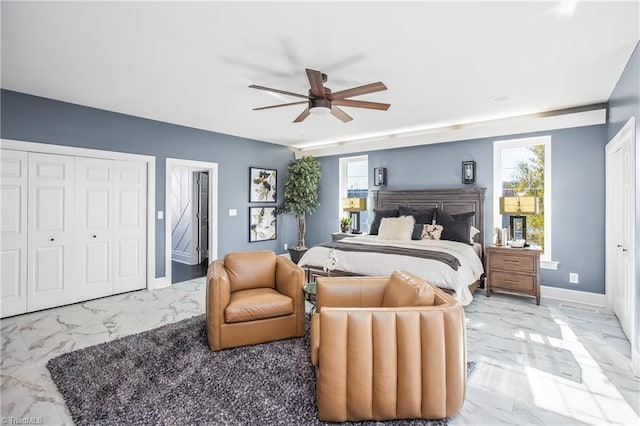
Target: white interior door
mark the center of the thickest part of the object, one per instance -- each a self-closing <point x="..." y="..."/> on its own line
<point x="94" y="226"/>
<point x="620" y="230"/>
<point x="130" y="232"/>
<point x="51" y="259"/>
<point x="13" y="232"/>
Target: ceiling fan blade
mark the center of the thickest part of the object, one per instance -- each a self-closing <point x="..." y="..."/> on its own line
<point x="268" y="89"/>
<point x="360" y="104"/>
<point x="302" y="116"/>
<point x="315" y="81"/>
<point x="343" y="116"/>
<point x="357" y="91"/>
<point x="281" y="105"/>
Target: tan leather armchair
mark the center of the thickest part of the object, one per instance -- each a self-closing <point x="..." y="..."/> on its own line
<point x="375" y="361"/>
<point x="253" y="297"/>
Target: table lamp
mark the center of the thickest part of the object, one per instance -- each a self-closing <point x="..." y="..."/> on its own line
<point x="354" y="206"/>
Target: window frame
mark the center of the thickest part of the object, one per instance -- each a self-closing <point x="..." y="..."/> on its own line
<point x="546" y="261"/>
<point x="342" y="177"/>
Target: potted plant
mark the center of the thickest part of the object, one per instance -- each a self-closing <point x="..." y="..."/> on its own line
<point x="344" y="223"/>
<point x="301" y="197"/>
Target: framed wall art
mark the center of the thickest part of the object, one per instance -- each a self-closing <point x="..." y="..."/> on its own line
<point x="263" y="185"/>
<point x="262" y="224"/>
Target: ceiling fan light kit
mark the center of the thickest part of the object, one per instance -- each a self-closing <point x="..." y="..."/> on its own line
<point x="321" y="101"/>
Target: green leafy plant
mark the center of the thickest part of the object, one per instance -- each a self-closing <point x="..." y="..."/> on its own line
<point x="345" y="222"/>
<point x="301" y="193"/>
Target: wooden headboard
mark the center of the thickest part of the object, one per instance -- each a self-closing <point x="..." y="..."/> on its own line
<point x="453" y="201"/>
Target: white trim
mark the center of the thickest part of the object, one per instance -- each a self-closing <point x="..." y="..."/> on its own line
<point x="112" y="155"/>
<point x="635" y="362"/>
<point x="212" y="168"/>
<point x="549" y="264"/>
<point x="161" y="282"/>
<point x="342" y="177"/>
<point x="498" y="146"/>
<point x="451" y="132"/>
<point x="574" y="296"/>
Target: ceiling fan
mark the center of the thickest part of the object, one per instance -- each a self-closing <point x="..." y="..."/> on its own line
<point x="321" y="100"/>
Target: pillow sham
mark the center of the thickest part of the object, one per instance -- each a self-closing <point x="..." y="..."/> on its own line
<point x="378" y="216"/>
<point x="456" y="227"/>
<point x="396" y="228"/>
<point x="421" y="215"/>
<point x="431" y="232"/>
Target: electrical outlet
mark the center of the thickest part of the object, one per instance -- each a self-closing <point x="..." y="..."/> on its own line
<point x="286" y="246"/>
<point x="574" y="278"/>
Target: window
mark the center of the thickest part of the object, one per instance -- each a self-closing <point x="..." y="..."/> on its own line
<point x="522" y="168"/>
<point x="354" y="183"/>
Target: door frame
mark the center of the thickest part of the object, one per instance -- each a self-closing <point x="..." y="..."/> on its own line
<point x="627" y="133"/>
<point x="212" y="168"/>
<point x="18" y="145"/>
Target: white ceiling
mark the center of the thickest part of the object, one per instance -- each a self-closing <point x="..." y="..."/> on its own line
<point x="444" y="63"/>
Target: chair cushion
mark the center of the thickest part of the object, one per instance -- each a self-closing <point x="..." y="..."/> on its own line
<point x="251" y="269"/>
<point x="406" y="289"/>
<point x="256" y="304"/>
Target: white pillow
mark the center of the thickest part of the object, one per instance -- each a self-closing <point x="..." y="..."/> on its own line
<point x="396" y="228"/>
<point x="472" y="233"/>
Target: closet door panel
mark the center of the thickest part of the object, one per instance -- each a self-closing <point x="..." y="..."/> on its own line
<point x="52" y="280"/>
<point x="94" y="226"/>
<point x="130" y="233"/>
<point x="13" y="232"/>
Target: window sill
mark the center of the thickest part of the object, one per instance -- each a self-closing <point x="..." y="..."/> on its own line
<point x="549" y="264"/>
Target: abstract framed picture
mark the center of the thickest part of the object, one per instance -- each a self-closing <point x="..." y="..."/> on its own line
<point x="262" y="224"/>
<point x="263" y="184"/>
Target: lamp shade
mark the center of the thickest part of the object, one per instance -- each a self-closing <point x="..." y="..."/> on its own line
<point x="519" y="205"/>
<point x="354" y="204"/>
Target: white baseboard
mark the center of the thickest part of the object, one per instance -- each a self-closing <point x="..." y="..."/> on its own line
<point x="181" y="256"/>
<point x="582" y="297"/>
<point x="160" y="282"/>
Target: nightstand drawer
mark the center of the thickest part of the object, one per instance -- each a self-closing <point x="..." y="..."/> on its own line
<point x="509" y="281"/>
<point x="513" y="263"/>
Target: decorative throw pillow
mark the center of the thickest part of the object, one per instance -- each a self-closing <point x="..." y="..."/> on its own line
<point x="379" y="215"/>
<point x="431" y="232"/>
<point x="396" y="228"/>
<point x="406" y="289"/>
<point x="456" y="227"/>
<point x="473" y="231"/>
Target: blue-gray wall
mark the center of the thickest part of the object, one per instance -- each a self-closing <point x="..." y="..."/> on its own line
<point x="36" y="119"/>
<point x="578" y="193"/>
<point x="624" y="103"/>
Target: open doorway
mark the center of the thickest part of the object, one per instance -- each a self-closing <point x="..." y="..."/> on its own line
<point x="191" y="220"/>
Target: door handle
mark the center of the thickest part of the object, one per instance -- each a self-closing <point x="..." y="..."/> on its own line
<point x="624" y="249"/>
<point x="94" y="236"/>
<point x="619" y="245"/>
<point x="51" y="239"/>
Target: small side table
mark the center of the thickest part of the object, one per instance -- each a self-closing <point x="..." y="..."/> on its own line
<point x="513" y="270"/>
<point x="309" y="290"/>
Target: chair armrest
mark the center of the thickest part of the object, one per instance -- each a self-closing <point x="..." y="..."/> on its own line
<point x="383" y="363"/>
<point x="217" y="299"/>
<point x="350" y="291"/>
<point x="315" y="338"/>
<point x="289" y="278"/>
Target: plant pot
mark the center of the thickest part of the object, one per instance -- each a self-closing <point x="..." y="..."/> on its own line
<point x="344" y="229"/>
<point x="296" y="254"/>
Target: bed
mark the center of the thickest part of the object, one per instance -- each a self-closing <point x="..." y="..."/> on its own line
<point x="352" y="257"/>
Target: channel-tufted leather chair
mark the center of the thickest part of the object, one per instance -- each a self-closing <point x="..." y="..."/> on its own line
<point x="387" y="348"/>
<point x="253" y="297"/>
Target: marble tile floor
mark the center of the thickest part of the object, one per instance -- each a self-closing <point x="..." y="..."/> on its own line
<point x="553" y="364"/>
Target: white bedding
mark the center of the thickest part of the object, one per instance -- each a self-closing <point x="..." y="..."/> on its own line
<point x="379" y="264"/>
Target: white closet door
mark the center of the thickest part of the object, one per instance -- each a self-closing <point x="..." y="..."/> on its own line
<point x="13" y="232"/>
<point x="51" y="277"/>
<point x="130" y="232"/>
<point x="94" y="226"/>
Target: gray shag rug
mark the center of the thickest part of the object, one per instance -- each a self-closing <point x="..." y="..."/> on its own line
<point x="168" y="376"/>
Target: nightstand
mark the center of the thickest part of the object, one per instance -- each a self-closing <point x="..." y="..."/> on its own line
<point x="513" y="270"/>
<point x="337" y="236"/>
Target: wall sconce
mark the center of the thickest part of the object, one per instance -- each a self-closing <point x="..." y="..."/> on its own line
<point x="380" y="176"/>
<point x="468" y="172"/>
